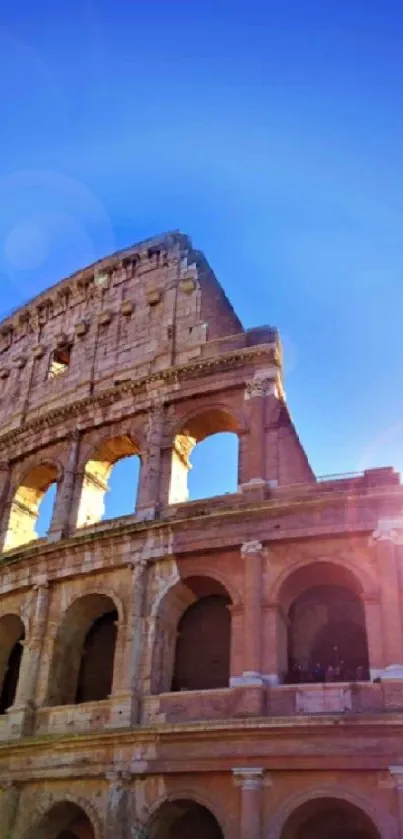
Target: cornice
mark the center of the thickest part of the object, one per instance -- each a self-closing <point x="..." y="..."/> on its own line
<point x="172" y="375"/>
<point x="307" y="726"/>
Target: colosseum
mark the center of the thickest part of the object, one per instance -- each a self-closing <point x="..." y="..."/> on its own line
<point x="221" y="668"/>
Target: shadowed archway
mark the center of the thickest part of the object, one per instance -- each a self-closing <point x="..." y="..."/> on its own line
<point x="184" y="819"/>
<point x="329" y="818"/>
<point x="12" y="635"/>
<point x="84" y="652"/>
<point x="192" y="648"/>
<point x="324" y="631"/>
<point x="65" y="820"/>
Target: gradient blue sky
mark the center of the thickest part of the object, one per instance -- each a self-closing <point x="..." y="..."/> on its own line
<point x="271" y="132"/>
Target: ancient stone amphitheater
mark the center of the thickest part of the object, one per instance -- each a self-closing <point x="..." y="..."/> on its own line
<point x="225" y="668"/>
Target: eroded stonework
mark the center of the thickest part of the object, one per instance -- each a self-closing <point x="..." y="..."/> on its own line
<point x="228" y="667"/>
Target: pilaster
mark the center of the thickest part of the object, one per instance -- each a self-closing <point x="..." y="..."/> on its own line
<point x="128" y="669"/>
<point x="148" y="500"/>
<point x="9" y="800"/>
<point x="397" y="776"/>
<point x="373" y="624"/>
<point x="252" y="556"/>
<point x="274" y="653"/>
<point x="386" y="538"/>
<point x="5" y="501"/>
<point x="117" y="810"/>
<point x="258" y="390"/>
<point x="21" y="714"/>
<point x="63" y="505"/>
<point x="251" y="782"/>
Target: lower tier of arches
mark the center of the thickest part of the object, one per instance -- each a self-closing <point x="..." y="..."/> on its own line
<point x="245" y="803"/>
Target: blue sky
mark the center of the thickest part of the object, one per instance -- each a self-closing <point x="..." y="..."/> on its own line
<point x="271" y="132"/>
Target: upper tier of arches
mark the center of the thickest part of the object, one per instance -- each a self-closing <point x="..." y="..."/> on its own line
<point x="135" y="466"/>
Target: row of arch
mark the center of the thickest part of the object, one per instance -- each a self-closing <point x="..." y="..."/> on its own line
<point x="322" y="816"/>
<point x="324" y="626"/>
<point x="112" y="476"/>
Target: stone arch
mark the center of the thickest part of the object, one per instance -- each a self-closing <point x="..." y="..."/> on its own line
<point x="364" y="582"/>
<point x="28" y="492"/>
<point x="12" y="636"/>
<point x="324" y="634"/>
<point x="83" y="660"/>
<point x="202" y="571"/>
<point x="383" y="821"/>
<point x="192" y="429"/>
<point x="96" y="470"/>
<point x="221" y="412"/>
<point x="45" y="813"/>
<point x="99" y="589"/>
<point x="173" y="806"/>
<point x="33" y="462"/>
<point x="188" y="614"/>
<point x="95" y="440"/>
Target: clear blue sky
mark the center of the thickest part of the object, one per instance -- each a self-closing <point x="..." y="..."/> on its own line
<point x="271" y="132"/>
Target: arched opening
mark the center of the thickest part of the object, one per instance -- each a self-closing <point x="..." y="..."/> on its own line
<point x="12" y="635"/>
<point x="193" y="644"/>
<point x="27" y="521"/>
<point x="211" y="438"/>
<point x="110" y="482"/>
<point x="65" y="820"/>
<point x="329" y="818"/>
<point x="184" y="819"/>
<point x="83" y="659"/>
<point x="326" y="632"/>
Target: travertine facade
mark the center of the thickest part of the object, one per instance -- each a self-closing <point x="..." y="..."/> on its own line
<point x="159" y="672"/>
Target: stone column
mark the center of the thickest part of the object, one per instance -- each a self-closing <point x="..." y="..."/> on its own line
<point x="252" y="657"/>
<point x="21" y="713"/>
<point x="388" y="535"/>
<point x="63" y="505"/>
<point x="397" y="776"/>
<point x="251" y="782"/>
<point x="148" y="499"/>
<point x="117" y="826"/>
<point x="254" y="464"/>
<point x="9" y="800"/>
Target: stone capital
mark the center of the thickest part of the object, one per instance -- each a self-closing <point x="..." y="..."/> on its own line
<point x="250" y="777"/>
<point x="251" y="547"/>
<point x="9" y="786"/>
<point x="389" y="530"/>
<point x="263" y="384"/>
<point x="138" y="563"/>
<point x="117" y="778"/>
<point x="41" y="582"/>
<point x="396" y="772"/>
